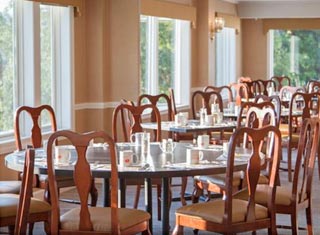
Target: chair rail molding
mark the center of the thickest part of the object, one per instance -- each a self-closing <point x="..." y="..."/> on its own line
<point x="95" y="105"/>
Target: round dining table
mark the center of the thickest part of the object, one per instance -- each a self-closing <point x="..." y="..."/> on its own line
<point x="157" y="164"/>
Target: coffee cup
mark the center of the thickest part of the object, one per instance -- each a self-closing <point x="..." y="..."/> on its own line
<point x="208" y="120"/>
<point x="137" y="138"/>
<point x="62" y="154"/>
<point x="181" y="119"/>
<point x="225" y="147"/>
<point x="203" y="141"/>
<point x="125" y="158"/>
<point x="192" y="156"/>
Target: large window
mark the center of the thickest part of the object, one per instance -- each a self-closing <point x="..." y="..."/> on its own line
<point x="165" y="57"/>
<point x="35" y="60"/>
<point x="225" y="57"/>
<point x="295" y="53"/>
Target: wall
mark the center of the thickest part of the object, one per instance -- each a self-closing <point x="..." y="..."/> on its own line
<point x="254" y="49"/>
<point x="107" y="58"/>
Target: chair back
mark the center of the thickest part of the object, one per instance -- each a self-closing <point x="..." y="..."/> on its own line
<point x="172" y="104"/>
<point x="257" y="137"/>
<point x="313" y="86"/>
<point x="25" y="194"/>
<point x="136" y="113"/>
<point x="257" y="115"/>
<point x="156" y="100"/>
<point x="308" y="106"/>
<point x="126" y="119"/>
<point x="287" y="91"/>
<point x="240" y="91"/>
<point x="82" y="177"/>
<point x="225" y="91"/>
<point x="207" y="98"/>
<point x="306" y="154"/>
<point x="263" y="85"/>
<point x="35" y="114"/>
<point x="275" y="100"/>
<point x="281" y="81"/>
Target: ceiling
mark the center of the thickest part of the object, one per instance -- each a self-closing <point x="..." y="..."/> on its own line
<point x="278" y="8"/>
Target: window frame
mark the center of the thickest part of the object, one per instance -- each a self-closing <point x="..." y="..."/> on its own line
<point x="182" y="44"/>
<point x="27" y="79"/>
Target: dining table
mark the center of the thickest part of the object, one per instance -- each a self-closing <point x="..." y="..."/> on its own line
<point x="157" y="164"/>
<point x="191" y="126"/>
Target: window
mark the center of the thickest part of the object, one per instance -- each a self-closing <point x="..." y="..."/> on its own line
<point x="225" y="56"/>
<point x="35" y="57"/>
<point x="295" y="53"/>
<point x="165" y="57"/>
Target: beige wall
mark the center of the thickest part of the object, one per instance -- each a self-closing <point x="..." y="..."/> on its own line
<point x="107" y="57"/>
<point x="254" y="49"/>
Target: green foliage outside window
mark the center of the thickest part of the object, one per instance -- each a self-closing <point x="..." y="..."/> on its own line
<point x="165" y="54"/>
<point x="297" y="55"/>
<point x="6" y="65"/>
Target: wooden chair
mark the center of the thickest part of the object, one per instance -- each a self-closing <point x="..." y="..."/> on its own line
<point x="163" y="99"/>
<point x="275" y="100"/>
<point x="36" y="142"/>
<point x="230" y="216"/>
<point x="177" y="136"/>
<point x="281" y="81"/>
<point x="85" y="219"/>
<point x="134" y="113"/>
<point x="207" y="98"/>
<point x="18" y="210"/>
<point x="224" y="91"/>
<point x="313" y="86"/>
<point x="263" y="86"/>
<point x="240" y="91"/>
<point x="157" y="100"/>
<point x="257" y="115"/>
<point x="290" y="131"/>
<point x="290" y="198"/>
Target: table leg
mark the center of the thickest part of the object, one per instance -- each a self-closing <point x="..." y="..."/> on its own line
<point x="106" y="192"/>
<point x="165" y="206"/>
<point x="148" y="199"/>
<point x="122" y="192"/>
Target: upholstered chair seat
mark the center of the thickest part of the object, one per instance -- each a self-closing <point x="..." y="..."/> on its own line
<point x="214" y="211"/>
<point x="10" y="187"/>
<point x="99" y="215"/>
<point x="9" y="203"/>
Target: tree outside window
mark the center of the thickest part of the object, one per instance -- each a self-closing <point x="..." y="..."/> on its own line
<point x="296" y="53"/>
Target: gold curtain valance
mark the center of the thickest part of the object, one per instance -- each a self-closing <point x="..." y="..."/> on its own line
<point x="231" y="21"/>
<point x="168" y="10"/>
<point x="77" y="4"/>
<point x="289" y="24"/>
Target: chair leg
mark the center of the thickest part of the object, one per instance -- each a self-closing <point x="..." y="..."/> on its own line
<point x="137" y="196"/>
<point x="31" y="225"/>
<point x="319" y="162"/>
<point x="294" y="225"/>
<point x="184" y="181"/>
<point x="197" y="192"/>
<point x="159" y="200"/>
<point x="289" y="163"/>
<point x="93" y="193"/>
<point x="309" y="220"/>
<point x="11" y="229"/>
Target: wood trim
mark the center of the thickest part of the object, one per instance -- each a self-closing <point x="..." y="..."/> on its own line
<point x="169" y="10"/>
<point x="77" y="4"/>
<point x="289" y="24"/>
